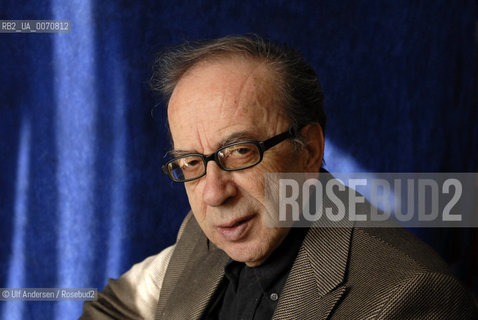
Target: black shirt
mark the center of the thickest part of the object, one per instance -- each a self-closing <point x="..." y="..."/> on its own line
<point x="253" y="293"/>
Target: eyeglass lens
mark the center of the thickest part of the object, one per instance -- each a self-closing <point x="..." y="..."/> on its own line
<point x="233" y="157"/>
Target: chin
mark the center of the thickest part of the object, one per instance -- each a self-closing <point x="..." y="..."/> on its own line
<point x="247" y="253"/>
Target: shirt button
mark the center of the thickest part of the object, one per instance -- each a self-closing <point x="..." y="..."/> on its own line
<point x="274" y="296"/>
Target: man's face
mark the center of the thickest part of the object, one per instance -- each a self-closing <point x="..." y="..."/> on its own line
<point x="216" y="103"/>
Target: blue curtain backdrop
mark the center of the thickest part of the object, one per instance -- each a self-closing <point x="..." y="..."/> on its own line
<point x="82" y="197"/>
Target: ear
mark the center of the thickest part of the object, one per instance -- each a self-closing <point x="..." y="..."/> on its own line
<point x="313" y="137"/>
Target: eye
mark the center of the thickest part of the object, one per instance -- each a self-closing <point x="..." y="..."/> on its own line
<point x="236" y="152"/>
<point x="240" y="151"/>
<point x="190" y="163"/>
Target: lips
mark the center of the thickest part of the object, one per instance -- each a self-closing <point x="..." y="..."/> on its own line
<point x="235" y="230"/>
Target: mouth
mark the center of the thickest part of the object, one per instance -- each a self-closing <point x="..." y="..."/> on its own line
<point x="236" y="229"/>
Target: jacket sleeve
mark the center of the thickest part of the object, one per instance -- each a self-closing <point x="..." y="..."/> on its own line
<point x="134" y="295"/>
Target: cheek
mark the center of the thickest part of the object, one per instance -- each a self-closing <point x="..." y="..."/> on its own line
<point x="194" y="193"/>
<point x="277" y="162"/>
<point x="250" y="182"/>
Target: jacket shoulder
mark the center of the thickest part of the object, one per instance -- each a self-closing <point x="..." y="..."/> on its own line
<point x="396" y="248"/>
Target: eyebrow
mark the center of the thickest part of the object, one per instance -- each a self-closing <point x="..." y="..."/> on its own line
<point x="232" y="138"/>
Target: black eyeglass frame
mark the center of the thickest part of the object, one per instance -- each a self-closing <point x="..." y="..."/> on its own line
<point x="262" y="146"/>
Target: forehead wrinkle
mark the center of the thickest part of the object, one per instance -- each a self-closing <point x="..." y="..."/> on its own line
<point x="250" y="89"/>
<point x="235" y="103"/>
<point x="186" y="109"/>
<point x="204" y="139"/>
<point x="230" y="99"/>
<point x="234" y="137"/>
<point x="264" y="95"/>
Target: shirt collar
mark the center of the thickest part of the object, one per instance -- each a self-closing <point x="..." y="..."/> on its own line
<point x="275" y="268"/>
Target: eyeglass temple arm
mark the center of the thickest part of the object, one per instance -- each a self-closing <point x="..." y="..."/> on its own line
<point x="269" y="143"/>
<point x="164" y="168"/>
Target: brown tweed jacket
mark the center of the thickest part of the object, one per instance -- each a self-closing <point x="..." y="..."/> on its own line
<point x="339" y="273"/>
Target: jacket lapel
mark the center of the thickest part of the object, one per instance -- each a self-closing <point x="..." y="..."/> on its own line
<point x="189" y="287"/>
<point x="194" y="291"/>
<point x="314" y="285"/>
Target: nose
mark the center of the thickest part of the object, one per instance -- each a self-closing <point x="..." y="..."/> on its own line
<point x="219" y="186"/>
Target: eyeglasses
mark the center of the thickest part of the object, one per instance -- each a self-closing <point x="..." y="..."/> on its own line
<point x="232" y="157"/>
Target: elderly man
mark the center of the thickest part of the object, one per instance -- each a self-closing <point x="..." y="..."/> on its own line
<point x="240" y="107"/>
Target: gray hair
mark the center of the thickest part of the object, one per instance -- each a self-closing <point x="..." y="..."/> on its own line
<point x="299" y="89"/>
